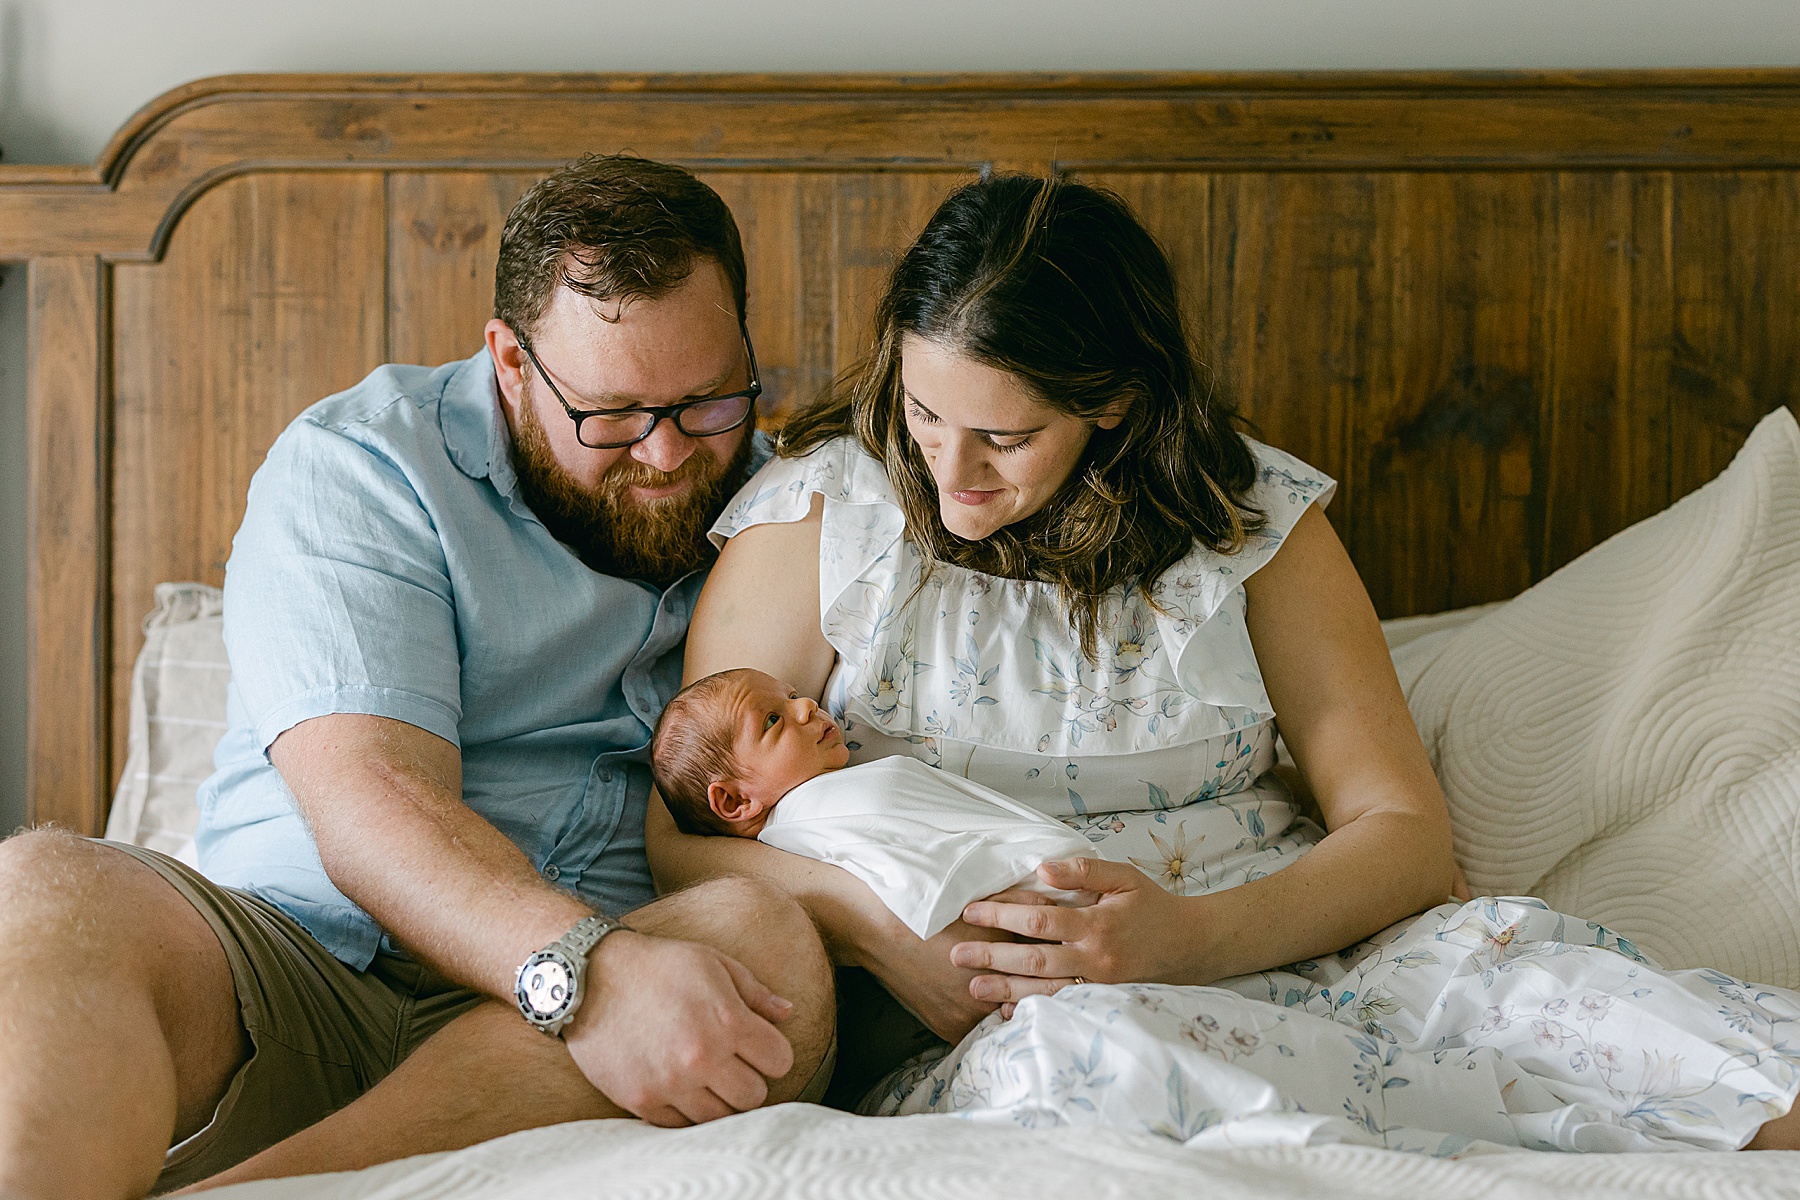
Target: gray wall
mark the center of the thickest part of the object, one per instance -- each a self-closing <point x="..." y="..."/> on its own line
<point x="71" y="71"/>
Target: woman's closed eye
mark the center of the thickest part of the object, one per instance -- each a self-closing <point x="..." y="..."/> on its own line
<point x="921" y="414"/>
<point x="925" y="416"/>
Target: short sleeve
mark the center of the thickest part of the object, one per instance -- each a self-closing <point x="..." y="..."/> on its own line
<point x="1196" y="587"/>
<point x="1285" y="487"/>
<point x="862" y="520"/>
<point x="783" y="490"/>
<point x="337" y="595"/>
<point x="1200" y="601"/>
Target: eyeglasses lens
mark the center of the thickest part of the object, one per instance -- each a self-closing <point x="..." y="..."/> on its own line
<point x="714" y="416"/>
<point x="602" y="432"/>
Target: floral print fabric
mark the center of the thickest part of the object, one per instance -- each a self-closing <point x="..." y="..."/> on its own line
<point x="1157" y="749"/>
<point x="1494" y="1023"/>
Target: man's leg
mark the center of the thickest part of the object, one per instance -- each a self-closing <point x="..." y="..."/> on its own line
<point x="119" y="1026"/>
<point x="487" y="1073"/>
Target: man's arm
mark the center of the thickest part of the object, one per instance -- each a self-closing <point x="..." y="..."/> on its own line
<point x="673" y="1031"/>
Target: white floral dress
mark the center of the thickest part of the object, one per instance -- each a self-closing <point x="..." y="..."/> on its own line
<point x="1493" y="1022"/>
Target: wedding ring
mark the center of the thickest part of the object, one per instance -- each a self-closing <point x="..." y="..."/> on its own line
<point x="1080" y="980"/>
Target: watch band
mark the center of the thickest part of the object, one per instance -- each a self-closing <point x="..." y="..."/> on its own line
<point x="584" y="935"/>
<point x="550" y="983"/>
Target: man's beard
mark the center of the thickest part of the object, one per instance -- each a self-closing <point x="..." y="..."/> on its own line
<point x="657" y="540"/>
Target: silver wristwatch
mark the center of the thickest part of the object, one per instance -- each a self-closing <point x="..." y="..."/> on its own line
<point x="548" y="987"/>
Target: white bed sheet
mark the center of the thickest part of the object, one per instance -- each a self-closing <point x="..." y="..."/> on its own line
<point x="799" y="1150"/>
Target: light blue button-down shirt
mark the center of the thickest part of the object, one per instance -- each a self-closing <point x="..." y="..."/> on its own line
<point x="387" y="565"/>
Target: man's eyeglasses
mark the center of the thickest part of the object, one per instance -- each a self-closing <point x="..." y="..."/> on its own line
<point x="614" y="428"/>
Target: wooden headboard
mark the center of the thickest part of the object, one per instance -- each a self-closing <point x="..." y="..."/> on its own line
<point x="1511" y="313"/>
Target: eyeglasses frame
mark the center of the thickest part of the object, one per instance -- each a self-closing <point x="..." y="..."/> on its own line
<point x="657" y="412"/>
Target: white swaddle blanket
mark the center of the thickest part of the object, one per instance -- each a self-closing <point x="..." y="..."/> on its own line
<point x="927" y="841"/>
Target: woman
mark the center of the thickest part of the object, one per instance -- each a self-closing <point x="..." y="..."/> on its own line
<point x="1025" y="543"/>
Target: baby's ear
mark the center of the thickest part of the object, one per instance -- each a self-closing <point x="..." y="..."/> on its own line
<point x="728" y="802"/>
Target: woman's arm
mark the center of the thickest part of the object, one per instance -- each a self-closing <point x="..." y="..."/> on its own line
<point x="760" y="608"/>
<point x="1329" y="676"/>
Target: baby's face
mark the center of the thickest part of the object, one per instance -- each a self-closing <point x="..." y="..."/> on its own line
<point x="783" y="738"/>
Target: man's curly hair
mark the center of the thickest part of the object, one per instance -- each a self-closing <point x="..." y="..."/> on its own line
<point x="611" y="227"/>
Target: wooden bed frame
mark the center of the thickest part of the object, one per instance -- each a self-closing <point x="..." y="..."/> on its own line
<point x="1511" y="313"/>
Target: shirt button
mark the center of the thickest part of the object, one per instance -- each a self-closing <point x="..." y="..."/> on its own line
<point x="552" y="872"/>
<point x="605" y="777"/>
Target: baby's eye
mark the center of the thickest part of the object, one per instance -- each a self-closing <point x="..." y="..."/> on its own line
<point x="774" y="718"/>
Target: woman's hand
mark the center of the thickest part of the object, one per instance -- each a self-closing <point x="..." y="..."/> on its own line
<point x="1123" y="937"/>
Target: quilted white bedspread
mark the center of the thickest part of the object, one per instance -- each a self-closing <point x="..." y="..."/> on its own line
<point x="798" y="1150"/>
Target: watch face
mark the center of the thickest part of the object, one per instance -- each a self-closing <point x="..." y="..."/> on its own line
<point x="546" y="987"/>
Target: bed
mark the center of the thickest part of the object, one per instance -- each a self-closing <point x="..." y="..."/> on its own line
<point x="1513" y="314"/>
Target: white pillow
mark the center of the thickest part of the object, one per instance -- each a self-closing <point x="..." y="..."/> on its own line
<point x="1623" y="740"/>
<point x="177" y="718"/>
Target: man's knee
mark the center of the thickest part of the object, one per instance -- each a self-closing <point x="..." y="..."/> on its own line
<point x="755" y="922"/>
<point x="777" y="940"/>
<point x="756" y="905"/>
<point x="92" y="908"/>
<point x="769" y="932"/>
<point x="37" y="850"/>
<point x="46" y="877"/>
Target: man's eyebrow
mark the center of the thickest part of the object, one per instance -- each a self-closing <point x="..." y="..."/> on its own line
<point x="988" y="432"/>
<point x="619" y="400"/>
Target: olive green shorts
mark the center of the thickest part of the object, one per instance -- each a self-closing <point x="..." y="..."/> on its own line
<point x="322" y="1033"/>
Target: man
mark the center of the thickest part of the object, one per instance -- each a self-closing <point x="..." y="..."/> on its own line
<point x="453" y="612"/>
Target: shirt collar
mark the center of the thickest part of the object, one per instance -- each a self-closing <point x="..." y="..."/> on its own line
<point x="474" y="426"/>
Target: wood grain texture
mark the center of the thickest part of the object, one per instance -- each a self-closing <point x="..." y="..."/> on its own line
<point x="1510" y="313"/>
<point x="443" y="238"/>
<point x="876" y="218"/>
<point x="1735" y="341"/>
<point x="1444" y="517"/>
<point x="126" y="206"/>
<point x="785" y="280"/>
<point x="272" y="296"/>
<point x="819" y="249"/>
<point x="67" y="778"/>
<point x="1604" y="453"/>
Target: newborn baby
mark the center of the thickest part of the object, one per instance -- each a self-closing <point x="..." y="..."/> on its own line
<point x="743" y="754"/>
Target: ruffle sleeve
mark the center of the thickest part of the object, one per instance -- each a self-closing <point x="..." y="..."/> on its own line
<point x="862" y="517"/>
<point x="1201" y="598"/>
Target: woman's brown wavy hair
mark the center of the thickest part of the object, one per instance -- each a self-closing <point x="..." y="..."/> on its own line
<point x="1057" y="284"/>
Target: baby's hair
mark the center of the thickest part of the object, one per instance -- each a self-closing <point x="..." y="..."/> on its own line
<point x="691" y="750"/>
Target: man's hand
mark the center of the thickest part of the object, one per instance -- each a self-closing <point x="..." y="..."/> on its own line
<point x="677" y="1032"/>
